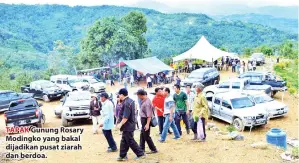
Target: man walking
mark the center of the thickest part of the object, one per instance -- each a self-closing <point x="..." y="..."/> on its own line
<point x="200" y="112"/>
<point x="127" y="126"/>
<point x="192" y="125"/>
<point x="181" y="100"/>
<point x="169" y="114"/>
<point x="146" y="113"/>
<point x="108" y="121"/>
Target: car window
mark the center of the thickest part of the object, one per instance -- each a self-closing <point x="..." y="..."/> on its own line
<point x="12" y="95"/>
<point x="224" y="85"/>
<point x="217" y="101"/>
<point x="226" y="104"/>
<point x="236" y="85"/>
<point x="255" y="79"/>
<point x="3" y="96"/>
<point x="59" y="82"/>
<point x="64" y="82"/>
<point x="21" y="104"/>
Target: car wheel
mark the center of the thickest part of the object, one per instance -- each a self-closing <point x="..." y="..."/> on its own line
<point x="65" y="122"/>
<point x="238" y="124"/>
<point x="273" y="93"/>
<point x="75" y="90"/>
<point x="209" y="94"/>
<point x="92" y="90"/>
<point x="46" y="98"/>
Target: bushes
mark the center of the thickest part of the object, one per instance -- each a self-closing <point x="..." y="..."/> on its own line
<point x="292" y="90"/>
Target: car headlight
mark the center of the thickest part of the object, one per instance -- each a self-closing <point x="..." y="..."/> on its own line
<point x="249" y="118"/>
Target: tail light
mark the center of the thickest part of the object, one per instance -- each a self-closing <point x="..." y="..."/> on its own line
<point x="5" y="117"/>
<point x="36" y="113"/>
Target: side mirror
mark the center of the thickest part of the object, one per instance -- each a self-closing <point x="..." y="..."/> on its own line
<point x="40" y="104"/>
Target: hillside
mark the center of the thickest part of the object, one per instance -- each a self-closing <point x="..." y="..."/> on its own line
<point x="34" y="29"/>
<point x="287" y="25"/>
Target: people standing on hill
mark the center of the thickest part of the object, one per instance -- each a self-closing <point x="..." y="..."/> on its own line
<point x="200" y="112"/>
<point x="181" y="100"/>
<point x="169" y="114"/>
<point x="127" y="126"/>
<point x="108" y="121"/>
<point x="233" y="66"/>
<point x="149" y="81"/>
<point x="146" y="113"/>
<point x="95" y="108"/>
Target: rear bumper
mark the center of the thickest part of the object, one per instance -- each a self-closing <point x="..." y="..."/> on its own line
<point x="26" y="122"/>
<point x="280" y="88"/>
<point x="55" y="96"/>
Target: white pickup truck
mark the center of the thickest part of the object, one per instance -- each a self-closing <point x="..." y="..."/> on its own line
<point x="237" y="109"/>
<point x="241" y="85"/>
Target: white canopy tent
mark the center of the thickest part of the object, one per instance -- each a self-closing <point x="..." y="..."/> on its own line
<point x="203" y="50"/>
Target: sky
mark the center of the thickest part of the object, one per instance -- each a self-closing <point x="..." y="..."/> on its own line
<point x="172" y="3"/>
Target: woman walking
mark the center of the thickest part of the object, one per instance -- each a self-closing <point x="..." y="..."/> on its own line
<point x="95" y="108"/>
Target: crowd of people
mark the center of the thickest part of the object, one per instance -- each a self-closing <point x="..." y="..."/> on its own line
<point x="169" y="110"/>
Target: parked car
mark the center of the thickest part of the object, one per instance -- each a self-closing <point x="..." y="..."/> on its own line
<point x="260" y="78"/>
<point x="43" y="89"/>
<point x="242" y="85"/>
<point x="259" y="58"/>
<point x="69" y="83"/>
<point x="237" y="109"/>
<point x="206" y="76"/>
<point x="95" y="85"/>
<point x="24" y="112"/>
<point x="7" y="96"/>
<point x="273" y="107"/>
<point x="74" y="106"/>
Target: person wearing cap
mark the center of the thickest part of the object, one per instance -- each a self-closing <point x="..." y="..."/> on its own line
<point x="200" y="112"/>
<point x="146" y="113"/>
<point x="95" y="108"/>
<point x="108" y="121"/>
<point x="127" y="126"/>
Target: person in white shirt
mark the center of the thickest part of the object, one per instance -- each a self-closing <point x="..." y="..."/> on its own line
<point x="192" y="125"/>
<point x="131" y="80"/>
<point x="149" y="81"/>
<point x="190" y="66"/>
<point x="107" y="123"/>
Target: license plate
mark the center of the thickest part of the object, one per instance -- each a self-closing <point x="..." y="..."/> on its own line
<point x="22" y="122"/>
<point x="260" y="121"/>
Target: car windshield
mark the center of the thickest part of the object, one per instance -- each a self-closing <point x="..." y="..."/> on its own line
<point x="47" y="84"/>
<point x="262" y="99"/>
<point x="79" y="97"/>
<point x="196" y="75"/>
<point x="72" y="81"/>
<point x="22" y="104"/>
<point x="243" y="102"/>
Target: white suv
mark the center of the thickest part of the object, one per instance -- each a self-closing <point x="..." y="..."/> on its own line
<point x="237" y="109"/>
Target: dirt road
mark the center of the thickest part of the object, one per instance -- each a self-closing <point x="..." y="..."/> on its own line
<point x="183" y="150"/>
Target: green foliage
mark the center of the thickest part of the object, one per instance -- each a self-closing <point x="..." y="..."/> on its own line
<point x="287" y="49"/>
<point x="288" y="71"/>
<point x="247" y="51"/>
<point x="295" y="152"/>
<point x="110" y="39"/>
<point x="292" y="90"/>
<point x="230" y="128"/>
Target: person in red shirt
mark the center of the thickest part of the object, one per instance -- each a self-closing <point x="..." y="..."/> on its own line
<point x="158" y="103"/>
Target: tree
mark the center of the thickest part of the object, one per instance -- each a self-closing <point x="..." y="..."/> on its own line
<point x="109" y="39"/>
<point x="247" y="51"/>
<point x="286" y="50"/>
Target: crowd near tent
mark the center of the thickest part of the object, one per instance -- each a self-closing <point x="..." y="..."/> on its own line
<point x="203" y="50"/>
<point x="151" y="65"/>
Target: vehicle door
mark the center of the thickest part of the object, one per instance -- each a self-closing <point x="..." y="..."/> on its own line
<point x="4" y="100"/>
<point x="38" y="90"/>
<point x="205" y="79"/>
<point x="236" y="85"/>
<point x="256" y="79"/>
<point x="216" y="107"/>
<point x="226" y="111"/>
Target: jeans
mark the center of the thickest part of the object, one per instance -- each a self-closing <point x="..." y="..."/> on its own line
<point x="161" y="120"/>
<point x="110" y="140"/>
<point x="233" y="68"/>
<point x="128" y="141"/>
<point x="168" y="124"/>
<point x="95" y="123"/>
<point x="178" y="117"/>
<point x="145" y="137"/>
<point x="201" y="130"/>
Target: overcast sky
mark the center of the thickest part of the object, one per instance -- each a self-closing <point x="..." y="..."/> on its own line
<point x="172" y="3"/>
